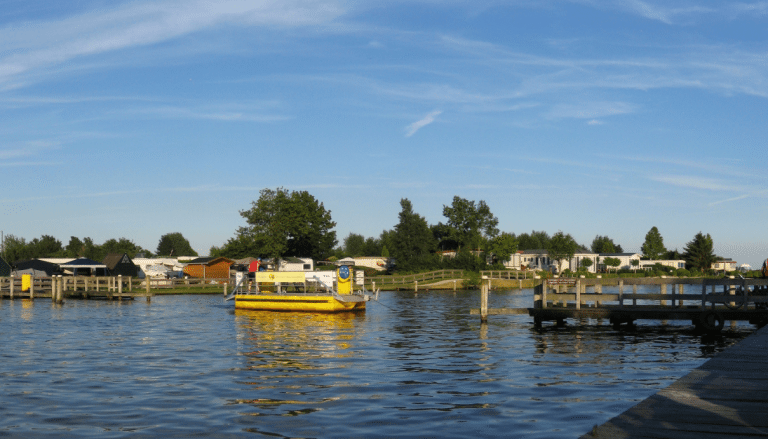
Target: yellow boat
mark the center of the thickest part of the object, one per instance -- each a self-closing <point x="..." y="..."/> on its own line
<point x="287" y="291"/>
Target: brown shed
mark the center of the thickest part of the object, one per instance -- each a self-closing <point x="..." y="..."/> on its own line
<point x="209" y="268"/>
<point x="120" y="264"/>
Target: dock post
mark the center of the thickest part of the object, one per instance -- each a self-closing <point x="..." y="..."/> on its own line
<point x="225" y="289"/>
<point x="483" y="303"/>
<point x="578" y="294"/>
<point x="54" y="288"/>
<point x="119" y="287"/>
<point x="664" y="291"/>
<point x="544" y="288"/>
<point x="32" y="287"/>
<point x="454" y="285"/>
<point x="61" y="288"/>
<point x="415" y="286"/>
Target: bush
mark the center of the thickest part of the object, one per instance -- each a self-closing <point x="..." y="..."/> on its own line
<point x="682" y="272"/>
<point x="471" y="281"/>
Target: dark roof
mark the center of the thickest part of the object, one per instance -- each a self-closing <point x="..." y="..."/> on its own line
<point x="113" y="259"/>
<point x="37" y="264"/>
<point x="82" y="262"/>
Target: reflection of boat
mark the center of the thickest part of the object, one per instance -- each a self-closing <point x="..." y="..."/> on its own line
<point x="301" y="291"/>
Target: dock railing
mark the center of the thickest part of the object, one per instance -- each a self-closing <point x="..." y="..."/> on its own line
<point x="674" y="292"/>
<point x="411" y="279"/>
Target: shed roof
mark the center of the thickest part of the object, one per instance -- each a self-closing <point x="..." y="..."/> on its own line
<point x="82" y="263"/>
<point x="113" y="259"/>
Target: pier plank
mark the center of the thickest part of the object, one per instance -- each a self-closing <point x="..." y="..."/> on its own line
<point x="726" y="396"/>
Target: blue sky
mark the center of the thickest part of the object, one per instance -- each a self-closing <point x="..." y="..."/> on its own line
<point x="139" y="118"/>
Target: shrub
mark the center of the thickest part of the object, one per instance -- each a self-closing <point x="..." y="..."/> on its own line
<point x="471" y="281"/>
<point x="682" y="272"/>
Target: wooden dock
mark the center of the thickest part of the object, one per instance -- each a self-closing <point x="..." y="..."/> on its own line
<point x="706" y="303"/>
<point x="57" y="288"/>
<point x="726" y="397"/>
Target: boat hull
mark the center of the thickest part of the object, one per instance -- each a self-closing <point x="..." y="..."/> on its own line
<point x="297" y="302"/>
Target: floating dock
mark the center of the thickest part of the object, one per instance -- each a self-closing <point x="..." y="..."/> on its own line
<point x="725" y="397"/>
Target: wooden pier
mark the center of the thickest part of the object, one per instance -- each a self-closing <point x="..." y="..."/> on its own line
<point x="725" y="397"/>
<point x="706" y="303"/>
<point x="57" y="288"/>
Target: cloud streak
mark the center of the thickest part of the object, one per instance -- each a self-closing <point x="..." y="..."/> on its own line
<point x="419" y="124"/>
<point x="33" y="46"/>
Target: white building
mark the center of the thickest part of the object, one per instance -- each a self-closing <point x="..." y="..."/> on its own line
<point x="625" y="261"/>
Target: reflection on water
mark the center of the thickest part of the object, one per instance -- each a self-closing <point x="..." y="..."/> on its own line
<point x="418" y="366"/>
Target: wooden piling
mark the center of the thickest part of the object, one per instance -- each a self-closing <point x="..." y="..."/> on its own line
<point x="483" y="302"/>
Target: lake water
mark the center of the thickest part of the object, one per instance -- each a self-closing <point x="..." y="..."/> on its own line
<point x="416" y="365"/>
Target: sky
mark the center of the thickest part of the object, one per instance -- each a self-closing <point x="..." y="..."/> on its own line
<point x="139" y="118"/>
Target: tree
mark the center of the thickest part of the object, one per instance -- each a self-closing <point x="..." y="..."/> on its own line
<point x="533" y="241"/>
<point x="653" y="247"/>
<point x="470" y="225"/>
<point x="561" y="247"/>
<point x="699" y="253"/>
<point x="122" y="245"/>
<point x="75" y="248"/>
<point x="353" y="245"/>
<point x="16" y="249"/>
<point x="586" y="263"/>
<point x="604" y="244"/>
<point x="174" y="244"/>
<point x="635" y="263"/>
<point x="612" y="262"/>
<point x="411" y="239"/>
<point x="287" y="224"/>
<point x="46" y="246"/>
<point x="502" y="247"/>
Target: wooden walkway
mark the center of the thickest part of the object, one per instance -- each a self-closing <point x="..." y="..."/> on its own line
<point x="726" y="397"/>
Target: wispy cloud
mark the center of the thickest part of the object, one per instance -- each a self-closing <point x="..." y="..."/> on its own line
<point x="590" y="110"/>
<point x="38" y="45"/>
<point x="419" y="124"/>
<point x="710" y="184"/>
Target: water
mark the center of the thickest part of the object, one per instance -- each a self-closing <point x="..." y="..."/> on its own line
<point x="414" y="366"/>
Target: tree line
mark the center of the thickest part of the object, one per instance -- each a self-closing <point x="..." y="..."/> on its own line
<point x="283" y="223"/>
<point x="293" y="223"/>
<point x="18" y="249"/>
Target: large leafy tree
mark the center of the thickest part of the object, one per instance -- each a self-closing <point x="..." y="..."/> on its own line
<point x="411" y="240"/>
<point x="174" y="244"/>
<point x="502" y="247"/>
<point x="122" y="245"/>
<point x="470" y="224"/>
<point x="533" y="241"/>
<point x="653" y="247"/>
<point x="561" y="247"/>
<point x="282" y="223"/>
<point x="354" y="244"/>
<point x="699" y="252"/>
<point x="604" y="244"/>
<point x="16" y="249"/>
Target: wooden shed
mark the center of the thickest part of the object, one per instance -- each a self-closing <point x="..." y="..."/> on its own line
<point x="36" y="267"/>
<point x="120" y="264"/>
<point x="209" y="268"/>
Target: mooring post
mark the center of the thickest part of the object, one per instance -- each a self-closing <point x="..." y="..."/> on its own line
<point x="32" y="287"/>
<point x="61" y="288"/>
<point x="454" y="285"/>
<point x="225" y="289"/>
<point x="483" y="302"/>
<point x="12" y="282"/>
<point x="119" y="287"/>
<point x="578" y="294"/>
<point x="416" y="286"/>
